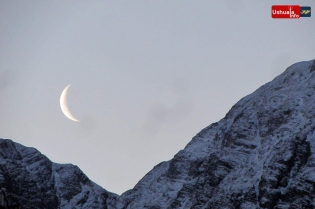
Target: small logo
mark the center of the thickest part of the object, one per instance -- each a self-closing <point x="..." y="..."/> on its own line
<point x="305" y="11"/>
<point x="285" y="11"/>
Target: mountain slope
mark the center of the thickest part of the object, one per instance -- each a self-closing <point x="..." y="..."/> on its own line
<point x="32" y="180"/>
<point x="260" y="155"/>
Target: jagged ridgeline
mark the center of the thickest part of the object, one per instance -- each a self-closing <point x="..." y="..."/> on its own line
<point x="260" y="155"/>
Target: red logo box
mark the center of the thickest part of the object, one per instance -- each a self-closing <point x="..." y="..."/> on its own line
<point x="285" y="11"/>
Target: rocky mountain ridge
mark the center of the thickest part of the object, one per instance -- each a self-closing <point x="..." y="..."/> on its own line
<point x="260" y="155"/>
<point x="33" y="181"/>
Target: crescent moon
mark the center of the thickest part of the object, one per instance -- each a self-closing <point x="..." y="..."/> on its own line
<point x="64" y="105"/>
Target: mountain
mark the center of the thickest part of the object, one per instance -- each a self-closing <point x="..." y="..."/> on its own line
<point x="260" y="155"/>
<point x="34" y="182"/>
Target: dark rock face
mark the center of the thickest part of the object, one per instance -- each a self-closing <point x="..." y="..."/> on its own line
<point x="260" y="155"/>
<point x="33" y="181"/>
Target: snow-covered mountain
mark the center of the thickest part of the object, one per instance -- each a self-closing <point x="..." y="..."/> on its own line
<point x="260" y="155"/>
<point x="34" y="182"/>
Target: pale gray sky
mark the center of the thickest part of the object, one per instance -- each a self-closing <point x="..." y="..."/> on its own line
<point x="146" y="75"/>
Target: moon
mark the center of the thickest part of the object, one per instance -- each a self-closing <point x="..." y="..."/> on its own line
<point x="64" y="105"/>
